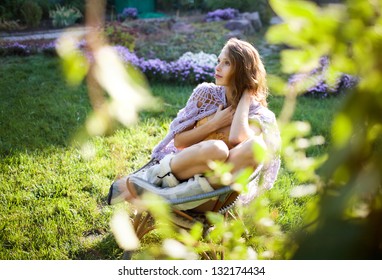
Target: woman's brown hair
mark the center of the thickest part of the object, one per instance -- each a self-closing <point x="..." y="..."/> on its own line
<point x="249" y="71"/>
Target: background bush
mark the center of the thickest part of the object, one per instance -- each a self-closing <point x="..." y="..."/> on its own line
<point x="64" y="16"/>
<point x="119" y="34"/>
<point x="260" y="6"/>
<point x="32" y="13"/>
<point x="46" y="6"/>
<point x="79" y="4"/>
<point x="11" y="9"/>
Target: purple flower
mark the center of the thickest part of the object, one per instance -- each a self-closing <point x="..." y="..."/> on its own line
<point x="16" y="48"/>
<point x="128" y="12"/>
<point x="222" y="14"/>
<point x="127" y="56"/>
<point x="318" y="86"/>
<point x="189" y="67"/>
<point x="28" y="47"/>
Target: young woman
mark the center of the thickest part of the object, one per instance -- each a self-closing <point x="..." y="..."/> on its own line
<point x="220" y="122"/>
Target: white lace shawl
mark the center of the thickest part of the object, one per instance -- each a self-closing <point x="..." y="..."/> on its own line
<point x="210" y="96"/>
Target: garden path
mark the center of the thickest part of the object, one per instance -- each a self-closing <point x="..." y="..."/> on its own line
<point x="44" y="34"/>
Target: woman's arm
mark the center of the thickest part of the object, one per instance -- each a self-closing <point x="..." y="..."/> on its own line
<point x="240" y="128"/>
<point x="193" y="135"/>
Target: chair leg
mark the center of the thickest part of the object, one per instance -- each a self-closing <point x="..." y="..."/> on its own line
<point x="142" y="223"/>
<point x="136" y="221"/>
<point x="145" y="226"/>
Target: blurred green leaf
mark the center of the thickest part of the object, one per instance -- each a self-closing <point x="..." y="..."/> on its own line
<point x="342" y="130"/>
<point x="75" y="67"/>
<point x="215" y="218"/>
<point x="196" y="231"/>
<point x="277" y="85"/>
<point x="294" y="129"/>
<point x="294" y="61"/>
<point x="160" y="210"/>
<point x="276" y="35"/>
<point x="294" y="9"/>
<point x="241" y="180"/>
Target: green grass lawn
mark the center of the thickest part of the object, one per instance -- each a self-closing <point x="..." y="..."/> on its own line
<point x="52" y="199"/>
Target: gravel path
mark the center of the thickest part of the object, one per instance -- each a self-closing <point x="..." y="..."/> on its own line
<point x="49" y="34"/>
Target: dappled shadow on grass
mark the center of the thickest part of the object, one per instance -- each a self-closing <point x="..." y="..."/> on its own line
<point x="104" y="249"/>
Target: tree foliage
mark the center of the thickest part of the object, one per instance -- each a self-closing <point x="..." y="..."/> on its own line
<point x="346" y="222"/>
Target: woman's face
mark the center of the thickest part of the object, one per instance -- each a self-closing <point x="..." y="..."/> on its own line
<point x="223" y="70"/>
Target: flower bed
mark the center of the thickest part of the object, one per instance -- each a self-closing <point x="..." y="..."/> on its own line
<point x="189" y="68"/>
<point x="29" y="47"/>
<point x="319" y="87"/>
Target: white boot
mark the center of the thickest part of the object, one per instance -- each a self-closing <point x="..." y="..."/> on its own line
<point x="194" y="186"/>
<point x="160" y="174"/>
<point x="168" y="179"/>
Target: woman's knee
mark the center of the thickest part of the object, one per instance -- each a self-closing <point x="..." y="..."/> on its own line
<point x="214" y="150"/>
<point x="246" y="154"/>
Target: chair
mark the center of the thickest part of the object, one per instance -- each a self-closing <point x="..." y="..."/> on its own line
<point x="143" y="222"/>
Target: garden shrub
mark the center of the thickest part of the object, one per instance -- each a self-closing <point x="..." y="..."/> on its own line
<point x="119" y="34"/>
<point x="46" y="6"/>
<point x="63" y="16"/>
<point x="32" y="13"/>
<point x="11" y="9"/>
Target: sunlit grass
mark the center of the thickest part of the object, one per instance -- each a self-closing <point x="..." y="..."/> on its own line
<point x="52" y="199"/>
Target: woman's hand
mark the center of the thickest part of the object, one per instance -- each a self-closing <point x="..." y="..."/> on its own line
<point x="193" y="135"/>
<point x="223" y="117"/>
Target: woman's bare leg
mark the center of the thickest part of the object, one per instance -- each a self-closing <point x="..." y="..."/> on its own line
<point x="242" y="155"/>
<point x="194" y="159"/>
